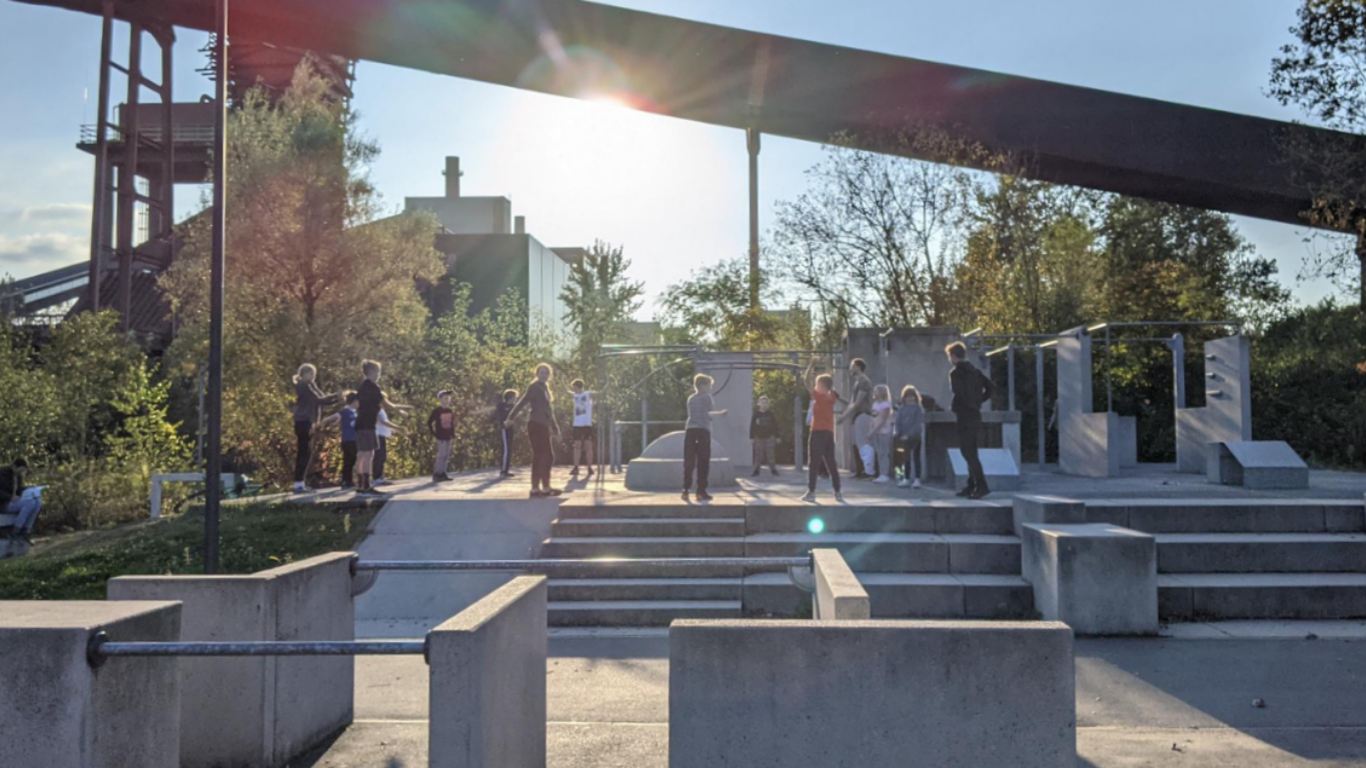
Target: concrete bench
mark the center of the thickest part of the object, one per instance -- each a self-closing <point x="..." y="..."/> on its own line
<point x="839" y="595"/>
<point x="1256" y="464"/>
<point x="999" y="467"/>
<point x="262" y="710"/>
<point x="1099" y="579"/>
<point x="59" y="710"/>
<point x="775" y="694"/>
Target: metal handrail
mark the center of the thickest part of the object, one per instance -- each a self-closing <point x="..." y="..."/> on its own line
<point x="101" y="648"/>
<point x="576" y="564"/>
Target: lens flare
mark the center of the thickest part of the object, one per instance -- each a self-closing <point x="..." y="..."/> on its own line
<point x="815" y="525"/>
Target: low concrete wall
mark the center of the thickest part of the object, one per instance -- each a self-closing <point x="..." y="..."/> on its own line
<point x="871" y="693"/>
<point x="488" y="694"/>
<point x="1100" y="579"/>
<point x="839" y="595"/>
<point x="56" y="710"/>
<point x="263" y="710"/>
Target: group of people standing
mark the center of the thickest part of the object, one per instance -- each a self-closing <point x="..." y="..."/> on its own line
<point x="880" y="428"/>
<point x="365" y="428"/>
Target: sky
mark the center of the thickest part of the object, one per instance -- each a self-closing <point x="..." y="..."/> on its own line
<point x="673" y="193"/>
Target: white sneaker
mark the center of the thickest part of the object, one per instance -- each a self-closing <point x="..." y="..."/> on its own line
<point x="916" y="484"/>
<point x="881" y="479"/>
<point x="810" y="496"/>
<point x="380" y="481"/>
<point x="839" y="497"/>
<point x="903" y="483"/>
<point x="300" y="488"/>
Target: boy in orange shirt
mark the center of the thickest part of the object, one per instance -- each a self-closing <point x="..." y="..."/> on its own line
<point x="821" y="446"/>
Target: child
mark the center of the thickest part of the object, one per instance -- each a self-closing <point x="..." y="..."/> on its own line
<point x="384" y="429"/>
<point x="880" y="433"/>
<point x="500" y="417"/>
<point x="582" y="434"/>
<point x="308" y="405"/>
<point x="370" y="400"/>
<point x="697" y="437"/>
<point x="540" y="424"/>
<point x="346" y="417"/>
<point x="821" y="446"/>
<point x="441" y="425"/>
<point x="910" y="429"/>
<point x="763" y="436"/>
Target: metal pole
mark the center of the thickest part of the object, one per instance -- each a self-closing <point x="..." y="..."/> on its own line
<point x="1041" y="428"/>
<point x="1109" y="364"/>
<point x="1178" y="345"/>
<point x="752" y="143"/>
<point x="213" y="490"/>
<point x="167" y="192"/>
<point x="128" y="177"/>
<point x="798" y="445"/>
<point x="100" y="213"/>
<point x="644" y="420"/>
<point x="261" y="648"/>
<point x="579" y="564"/>
<point x="1010" y="377"/>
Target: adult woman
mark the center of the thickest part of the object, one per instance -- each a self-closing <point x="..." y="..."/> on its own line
<point x="308" y="408"/>
<point x="540" y="424"/>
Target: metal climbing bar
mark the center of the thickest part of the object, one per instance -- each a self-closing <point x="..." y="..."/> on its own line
<point x="532" y="566"/>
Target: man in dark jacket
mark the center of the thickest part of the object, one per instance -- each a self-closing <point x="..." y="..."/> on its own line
<point x="12" y="499"/>
<point x="971" y="388"/>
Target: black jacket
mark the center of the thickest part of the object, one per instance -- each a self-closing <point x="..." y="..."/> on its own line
<point x="971" y="387"/>
<point x="763" y="425"/>
<point x="11" y="486"/>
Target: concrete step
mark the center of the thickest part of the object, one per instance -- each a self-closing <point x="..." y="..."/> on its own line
<point x="667" y="589"/>
<point x="1214" y="596"/>
<point x="668" y="506"/>
<point x="900" y="552"/>
<point x="1231" y="515"/>
<point x="901" y="596"/>
<point x="906" y="517"/>
<point x="638" y="613"/>
<point x="1261" y="553"/>
<point x="638" y="546"/>
<point x="648" y="527"/>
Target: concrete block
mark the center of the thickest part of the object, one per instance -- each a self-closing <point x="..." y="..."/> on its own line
<point x="488" y="694"/>
<point x="1046" y="509"/>
<point x="1001" y="471"/>
<point x="878" y="693"/>
<point x="1126" y="440"/>
<point x="660" y="466"/>
<point x="1089" y="445"/>
<point x="1259" y="465"/>
<point x="1099" y="579"/>
<point x="58" y="710"/>
<point x="839" y="595"/>
<point x="261" y="710"/>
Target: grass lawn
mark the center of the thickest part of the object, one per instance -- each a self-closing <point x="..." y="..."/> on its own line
<point x="255" y="537"/>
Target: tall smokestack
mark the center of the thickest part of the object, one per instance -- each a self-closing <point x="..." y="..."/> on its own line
<point x="519" y="225"/>
<point x="452" y="177"/>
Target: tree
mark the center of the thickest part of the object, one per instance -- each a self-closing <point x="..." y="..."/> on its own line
<point x="1324" y="73"/>
<point x="877" y="238"/>
<point x="313" y="274"/>
<point x="598" y="295"/>
<point x="712" y="308"/>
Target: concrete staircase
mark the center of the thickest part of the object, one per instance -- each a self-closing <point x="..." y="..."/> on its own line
<point x="927" y="560"/>
<point x="1240" y="559"/>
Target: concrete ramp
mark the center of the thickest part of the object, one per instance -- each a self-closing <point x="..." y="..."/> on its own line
<point x="1257" y="464"/>
<point x="1001" y="471"/>
<point x="427" y="527"/>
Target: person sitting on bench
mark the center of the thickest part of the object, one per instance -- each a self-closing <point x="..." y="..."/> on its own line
<point x="15" y="502"/>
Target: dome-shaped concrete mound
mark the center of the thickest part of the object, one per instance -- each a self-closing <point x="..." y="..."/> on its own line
<point x="660" y="466"/>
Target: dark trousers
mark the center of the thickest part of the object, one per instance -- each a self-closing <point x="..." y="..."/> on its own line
<point x="303" y="432"/>
<point x="911" y="462"/>
<point x="381" y="456"/>
<point x="542" y="454"/>
<point x="821" y="448"/>
<point x="696" y="456"/>
<point x="348" y="461"/>
<point x="969" y="431"/>
<point x="506" y="433"/>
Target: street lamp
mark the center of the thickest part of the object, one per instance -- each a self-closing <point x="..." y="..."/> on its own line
<point x="213" y="470"/>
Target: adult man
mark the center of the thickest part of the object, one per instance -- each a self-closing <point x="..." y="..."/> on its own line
<point x="860" y="412"/>
<point x="971" y="388"/>
<point x="13" y="500"/>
